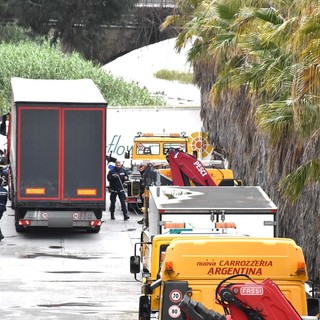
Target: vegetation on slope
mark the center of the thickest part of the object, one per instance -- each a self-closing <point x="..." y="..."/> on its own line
<point x="39" y="60"/>
<point x="271" y="52"/>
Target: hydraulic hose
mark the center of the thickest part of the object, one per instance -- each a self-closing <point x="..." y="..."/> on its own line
<point x="197" y="311"/>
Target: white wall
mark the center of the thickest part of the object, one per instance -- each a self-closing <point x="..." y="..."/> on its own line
<point x="123" y="125"/>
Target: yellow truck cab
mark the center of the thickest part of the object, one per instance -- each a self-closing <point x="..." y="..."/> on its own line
<point x="197" y="264"/>
<point x="154" y="148"/>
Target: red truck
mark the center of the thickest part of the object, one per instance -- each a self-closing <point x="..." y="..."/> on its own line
<point x="56" y="152"/>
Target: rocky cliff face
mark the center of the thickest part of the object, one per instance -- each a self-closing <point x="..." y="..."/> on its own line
<point x="232" y="128"/>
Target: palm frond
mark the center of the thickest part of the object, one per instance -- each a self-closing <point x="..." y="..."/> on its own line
<point x="292" y="185"/>
<point x="276" y="119"/>
<point x="269" y="15"/>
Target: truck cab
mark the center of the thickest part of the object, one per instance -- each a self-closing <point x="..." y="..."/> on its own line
<point x="197" y="264"/>
<point x="154" y="148"/>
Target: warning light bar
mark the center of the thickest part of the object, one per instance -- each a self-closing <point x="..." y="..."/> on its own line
<point x="168" y="266"/>
<point x="86" y="192"/>
<point x="162" y="134"/>
<point x="35" y="191"/>
<point x="301" y="268"/>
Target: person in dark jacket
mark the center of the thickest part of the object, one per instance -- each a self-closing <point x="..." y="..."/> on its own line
<point x="3" y="203"/>
<point x="116" y="177"/>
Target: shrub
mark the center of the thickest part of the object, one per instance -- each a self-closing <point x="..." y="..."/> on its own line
<point x="27" y="59"/>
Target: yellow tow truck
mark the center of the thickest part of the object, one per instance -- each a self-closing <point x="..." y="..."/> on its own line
<point x="198" y="213"/>
<point x="150" y="151"/>
<point x="195" y="265"/>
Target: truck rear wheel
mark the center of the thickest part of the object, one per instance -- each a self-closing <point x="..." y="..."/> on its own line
<point x="11" y="190"/>
<point x="17" y="216"/>
<point x="98" y="213"/>
<point x="144" y="308"/>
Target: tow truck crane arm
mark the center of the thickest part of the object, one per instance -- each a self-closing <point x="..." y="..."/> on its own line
<point x="244" y="301"/>
<point x="186" y="168"/>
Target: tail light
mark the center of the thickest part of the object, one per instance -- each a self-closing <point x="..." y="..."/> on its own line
<point x="24" y="222"/>
<point x="95" y="223"/>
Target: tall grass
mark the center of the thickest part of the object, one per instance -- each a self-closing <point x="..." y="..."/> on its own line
<point x="173" y="75"/>
<point x="34" y="60"/>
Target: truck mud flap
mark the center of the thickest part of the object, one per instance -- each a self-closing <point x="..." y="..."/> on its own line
<point x="173" y="293"/>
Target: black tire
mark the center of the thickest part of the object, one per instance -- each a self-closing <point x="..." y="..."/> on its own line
<point x="11" y="189"/>
<point x="134" y="207"/>
<point x="16" y="220"/>
<point x="144" y="308"/>
<point x="98" y="213"/>
<point x="130" y="207"/>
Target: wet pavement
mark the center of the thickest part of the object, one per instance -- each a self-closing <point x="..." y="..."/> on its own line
<point x="69" y="274"/>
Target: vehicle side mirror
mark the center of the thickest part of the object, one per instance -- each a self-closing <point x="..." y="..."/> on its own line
<point x="3" y="125"/>
<point x="135" y="264"/>
<point x="127" y="155"/>
<point x="110" y="158"/>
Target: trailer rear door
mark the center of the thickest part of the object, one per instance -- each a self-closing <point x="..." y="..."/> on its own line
<point x="83" y="154"/>
<point x="58" y="159"/>
<point x="38" y="171"/>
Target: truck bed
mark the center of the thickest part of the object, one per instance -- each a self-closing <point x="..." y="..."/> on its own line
<point x="241" y="210"/>
<point x="201" y="199"/>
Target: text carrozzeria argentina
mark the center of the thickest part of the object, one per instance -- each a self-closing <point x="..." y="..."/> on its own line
<point x="229" y="267"/>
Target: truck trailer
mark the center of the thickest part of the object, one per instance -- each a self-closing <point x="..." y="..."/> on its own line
<point x="56" y="152"/>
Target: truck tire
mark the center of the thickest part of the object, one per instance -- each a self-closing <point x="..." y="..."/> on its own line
<point x="144" y="308"/>
<point x="11" y="189"/>
<point x="98" y="213"/>
<point x="16" y="219"/>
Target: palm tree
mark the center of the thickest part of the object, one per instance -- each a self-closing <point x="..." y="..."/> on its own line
<point x="272" y="52"/>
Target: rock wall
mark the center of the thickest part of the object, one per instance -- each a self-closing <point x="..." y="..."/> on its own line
<point x="232" y="128"/>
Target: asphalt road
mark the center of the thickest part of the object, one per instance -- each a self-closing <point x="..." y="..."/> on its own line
<point x="66" y="274"/>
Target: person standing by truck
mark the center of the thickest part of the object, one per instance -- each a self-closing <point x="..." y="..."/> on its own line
<point x="116" y="177"/>
<point x="3" y="202"/>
